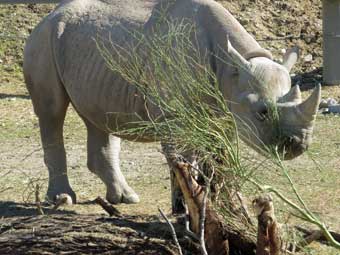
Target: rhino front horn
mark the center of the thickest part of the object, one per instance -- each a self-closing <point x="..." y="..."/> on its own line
<point x="309" y="108"/>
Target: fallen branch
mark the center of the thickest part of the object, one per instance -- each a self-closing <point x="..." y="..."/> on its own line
<point x="314" y="235"/>
<point x="173" y="232"/>
<point x="110" y="209"/>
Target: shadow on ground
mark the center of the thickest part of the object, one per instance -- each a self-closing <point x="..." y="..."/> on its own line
<point x="14" y="209"/>
<point x="8" y="96"/>
<point x="88" y="234"/>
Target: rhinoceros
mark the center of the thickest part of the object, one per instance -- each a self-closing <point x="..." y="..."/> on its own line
<point x="62" y="65"/>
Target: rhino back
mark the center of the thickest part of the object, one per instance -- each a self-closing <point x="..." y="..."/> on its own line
<point x="73" y="29"/>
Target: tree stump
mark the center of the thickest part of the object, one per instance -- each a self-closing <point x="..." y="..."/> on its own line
<point x="220" y="238"/>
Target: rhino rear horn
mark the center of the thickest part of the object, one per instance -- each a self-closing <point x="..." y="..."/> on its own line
<point x="236" y="57"/>
<point x="290" y="58"/>
<point x="294" y="95"/>
<point x="309" y="108"/>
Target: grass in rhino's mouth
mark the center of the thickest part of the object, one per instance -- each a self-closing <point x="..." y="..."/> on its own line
<point x="273" y="120"/>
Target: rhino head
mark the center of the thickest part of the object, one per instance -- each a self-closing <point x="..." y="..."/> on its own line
<point x="269" y="113"/>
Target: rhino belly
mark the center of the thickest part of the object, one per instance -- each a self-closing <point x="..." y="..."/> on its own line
<point x="102" y="97"/>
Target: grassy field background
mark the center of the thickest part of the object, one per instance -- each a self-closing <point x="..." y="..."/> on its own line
<point x="316" y="173"/>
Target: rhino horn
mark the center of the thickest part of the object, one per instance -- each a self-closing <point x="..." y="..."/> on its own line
<point x="294" y="95"/>
<point x="309" y="108"/>
<point x="236" y="57"/>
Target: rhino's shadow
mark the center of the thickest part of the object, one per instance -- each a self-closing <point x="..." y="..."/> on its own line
<point x="14" y="209"/>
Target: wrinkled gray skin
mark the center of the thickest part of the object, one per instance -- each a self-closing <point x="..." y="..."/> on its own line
<point x="62" y="65"/>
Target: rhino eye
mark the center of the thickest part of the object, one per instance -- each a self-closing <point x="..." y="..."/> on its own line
<point x="262" y="115"/>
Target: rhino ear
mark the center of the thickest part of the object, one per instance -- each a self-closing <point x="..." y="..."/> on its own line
<point x="236" y="57"/>
<point x="290" y="58"/>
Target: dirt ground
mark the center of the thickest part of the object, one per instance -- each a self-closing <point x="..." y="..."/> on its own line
<point x="276" y="24"/>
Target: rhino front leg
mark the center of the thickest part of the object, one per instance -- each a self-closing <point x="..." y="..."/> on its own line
<point x="51" y="129"/>
<point x="103" y="160"/>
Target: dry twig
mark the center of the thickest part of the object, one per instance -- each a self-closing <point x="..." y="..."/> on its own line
<point x="110" y="209"/>
<point x="37" y="200"/>
<point x="203" y="210"/>
<point x="5" y="189"/>
<point x="173" y="232"/>
<point x="202" y="221"/>
<point x="244" y="208"/>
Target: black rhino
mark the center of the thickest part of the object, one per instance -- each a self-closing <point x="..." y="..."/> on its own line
<point x="62" y="65"/>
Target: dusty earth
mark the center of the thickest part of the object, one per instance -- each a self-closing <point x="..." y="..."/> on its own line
<point x="83" y="228"/>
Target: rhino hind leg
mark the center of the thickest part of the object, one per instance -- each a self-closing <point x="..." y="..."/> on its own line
<point x="50" y="102"/>
<point x="103" y="159"/>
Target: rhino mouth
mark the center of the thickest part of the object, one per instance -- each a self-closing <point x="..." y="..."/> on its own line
<point x="292" y="147"/>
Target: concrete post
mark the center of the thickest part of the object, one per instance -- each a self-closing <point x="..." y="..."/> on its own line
<point x="331" y="42"/>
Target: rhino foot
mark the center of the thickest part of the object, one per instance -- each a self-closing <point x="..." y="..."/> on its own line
<point x="52" y="195"/>
<point x="130" y="199"/>
<point x="128" y="196"/>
